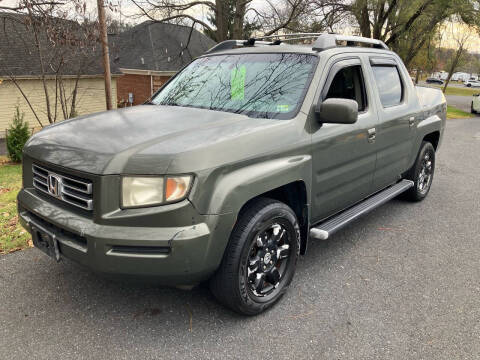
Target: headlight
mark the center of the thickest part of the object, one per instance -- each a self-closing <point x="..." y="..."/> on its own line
<point x="176" y="188"/>
<point x="151" y="190"/>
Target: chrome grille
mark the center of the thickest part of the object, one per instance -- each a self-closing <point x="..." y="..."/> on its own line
<point x="76" y="192"/>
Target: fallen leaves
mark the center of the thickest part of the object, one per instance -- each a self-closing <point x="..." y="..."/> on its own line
<point x="13" y="221"/>
<point x="6" y="161"/>
<point x="12" y="236"/>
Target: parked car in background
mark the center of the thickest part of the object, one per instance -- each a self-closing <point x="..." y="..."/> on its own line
<point x="246" y="155"/>
<point x="475" y="106"/>
<point x="432" y="80"/>
<point x="472" y="83"/>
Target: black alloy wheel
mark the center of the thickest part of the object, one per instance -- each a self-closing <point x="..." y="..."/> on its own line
<point x="260" y="259"/>
<point x="268" y="260"/>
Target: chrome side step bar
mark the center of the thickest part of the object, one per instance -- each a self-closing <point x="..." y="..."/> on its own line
<point x="323" y="230"/>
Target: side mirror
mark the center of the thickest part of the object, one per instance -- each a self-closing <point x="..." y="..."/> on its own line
<point x="337" y="111"/>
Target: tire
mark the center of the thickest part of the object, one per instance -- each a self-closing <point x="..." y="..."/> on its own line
<point x="243" y="282"/>
<point x="471" y="109"/>
<point x="422" y="173"/>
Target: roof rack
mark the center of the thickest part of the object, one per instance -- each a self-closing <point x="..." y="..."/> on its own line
<point x="232" y="44"/>
<point x="328" y="41"/>
<point x="323" y="41"/>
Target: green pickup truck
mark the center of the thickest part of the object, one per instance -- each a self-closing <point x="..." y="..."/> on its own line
<point x="234" y="165"/>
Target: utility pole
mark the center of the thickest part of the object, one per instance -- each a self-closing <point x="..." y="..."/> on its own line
<point x="106" y="57"/>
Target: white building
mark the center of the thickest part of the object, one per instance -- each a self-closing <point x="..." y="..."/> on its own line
<point x="442" y="75"/>
<point x="460" y="76"/>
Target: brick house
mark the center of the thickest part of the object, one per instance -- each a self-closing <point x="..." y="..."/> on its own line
<point x="149" y="54"/>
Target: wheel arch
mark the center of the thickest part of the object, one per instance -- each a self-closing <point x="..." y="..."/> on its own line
<point x="433" y="138"/>
<point x="294" y="195"/>
<point x="429" y="129"/>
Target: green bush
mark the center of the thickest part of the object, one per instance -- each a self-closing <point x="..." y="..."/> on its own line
<point x="17" y="136"/>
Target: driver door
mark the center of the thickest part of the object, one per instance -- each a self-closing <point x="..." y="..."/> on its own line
<point x="344" y="155"/>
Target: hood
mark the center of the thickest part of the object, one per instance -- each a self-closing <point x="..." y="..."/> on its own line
<point x="147" y="139"/>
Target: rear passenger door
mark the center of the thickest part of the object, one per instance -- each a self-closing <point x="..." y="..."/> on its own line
<point x="343" y="155"/>
<point x="396" y="120"/>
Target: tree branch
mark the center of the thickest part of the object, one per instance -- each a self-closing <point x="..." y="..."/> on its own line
<point x="173" y="17"/>
<point x="26" y="6"/>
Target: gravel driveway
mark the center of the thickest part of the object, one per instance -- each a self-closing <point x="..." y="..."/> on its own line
<point x="401" y="283"/>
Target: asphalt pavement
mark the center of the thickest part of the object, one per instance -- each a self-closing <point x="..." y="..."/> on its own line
<point x="401" y="283"/>
<point x="460" y="102"/>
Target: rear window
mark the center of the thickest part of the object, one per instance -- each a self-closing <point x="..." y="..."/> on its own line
<point x="389" y="85"/>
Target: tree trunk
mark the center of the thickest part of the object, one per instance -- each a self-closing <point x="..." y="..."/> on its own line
<point x="239" y="18"/>
<point x="417" y="76"/>
<point x="73" y="106"/>
<point x="106" y="57"/>
<point x="221" y="18"/>
<point x="453" y="66"/>
<point x="361" y="13"/>
<point x="63" y="99"/>
<point x="378" y="23"/>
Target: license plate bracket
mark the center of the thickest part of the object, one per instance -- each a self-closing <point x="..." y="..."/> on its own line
<point x="46" y="242"/>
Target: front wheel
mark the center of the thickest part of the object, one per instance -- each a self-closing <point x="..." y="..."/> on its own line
<point x="260" y="260"/>
<point x="422" y="173"/>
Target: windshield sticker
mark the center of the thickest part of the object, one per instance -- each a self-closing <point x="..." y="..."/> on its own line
<point x="237" y="83"/>
<point x="282" y="108"/>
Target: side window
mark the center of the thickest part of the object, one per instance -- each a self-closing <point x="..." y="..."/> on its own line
<point x="389" y="85"/>
<point x="348" y="84"/>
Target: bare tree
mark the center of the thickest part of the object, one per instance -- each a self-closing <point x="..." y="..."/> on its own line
<point x="404" y="25"/>
<point x="59" y="50"/>
<point x="461" y="35"/>
<point x="229" y="19"/>
<point x="24" y="6"/>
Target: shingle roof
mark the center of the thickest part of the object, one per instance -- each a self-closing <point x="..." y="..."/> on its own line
<point x="19" y="55"/>
<point x="157" y="46"/>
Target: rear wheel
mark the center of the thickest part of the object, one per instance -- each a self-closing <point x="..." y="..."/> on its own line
<point x="422" y="172"/>
<point x="260" y="259"/>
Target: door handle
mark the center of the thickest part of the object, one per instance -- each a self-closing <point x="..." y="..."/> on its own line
<point x="372" y="135"/>
<point x="411" y="121"/>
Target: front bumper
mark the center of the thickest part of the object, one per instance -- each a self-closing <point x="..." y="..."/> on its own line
<point x="179" y="255"/>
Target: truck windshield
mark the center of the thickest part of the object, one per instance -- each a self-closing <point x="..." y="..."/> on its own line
<point x="268" y="86"/>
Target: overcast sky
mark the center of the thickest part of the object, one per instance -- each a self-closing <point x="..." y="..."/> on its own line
<point x="126" y="8"/>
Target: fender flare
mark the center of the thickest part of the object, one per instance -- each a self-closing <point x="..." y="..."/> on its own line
<point x="236" y="188"/>
<point x="427" y="126"/>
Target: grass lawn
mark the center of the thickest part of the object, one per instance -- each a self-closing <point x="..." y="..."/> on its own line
<point x="454" y="113"/>
<point x="12" y="236"/>
<point x="462" y="91"/>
